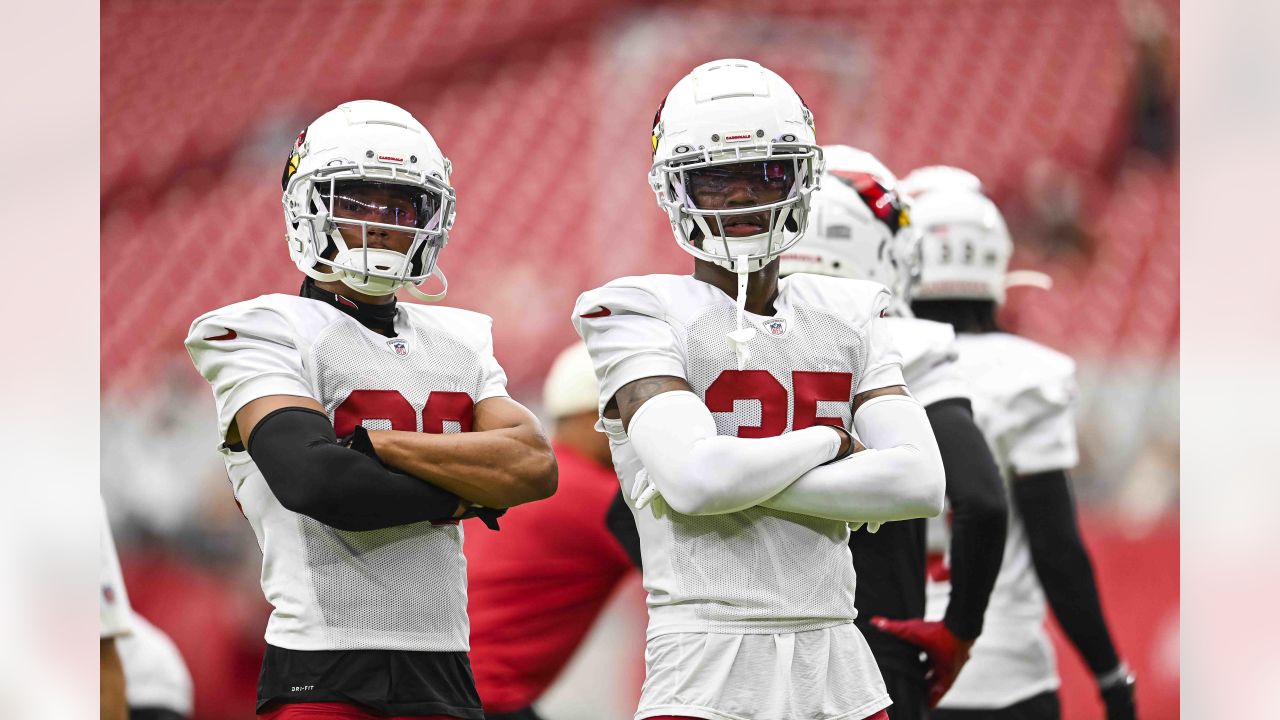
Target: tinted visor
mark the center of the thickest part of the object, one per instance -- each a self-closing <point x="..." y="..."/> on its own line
<point x="767" y="181"/>
<point x="387" y="203"/>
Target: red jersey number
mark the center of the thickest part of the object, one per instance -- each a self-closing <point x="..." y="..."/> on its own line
<point x="761" y="385"/>
<point x="390" y="405"/>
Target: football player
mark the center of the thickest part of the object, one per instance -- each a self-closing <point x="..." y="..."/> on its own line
<point x="358" y="430"/>
<point x="1022" y="399"/>
<point x="860" y="229"/>
<point x="730" y="399"/>
<point x="536" y="588"/>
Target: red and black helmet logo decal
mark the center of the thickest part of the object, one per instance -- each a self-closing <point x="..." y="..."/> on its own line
<point x="657" y="118"/>
<point x="291" y="166"/>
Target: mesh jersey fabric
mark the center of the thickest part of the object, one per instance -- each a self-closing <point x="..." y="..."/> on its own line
<point x="757" y="570"/>
<point x="535" y="589"/>
<point x="1022" y="395"/>
<point x="400" y="588"/>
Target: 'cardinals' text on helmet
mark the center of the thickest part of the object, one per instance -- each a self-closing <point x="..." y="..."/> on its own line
<point x="370" y="168"/>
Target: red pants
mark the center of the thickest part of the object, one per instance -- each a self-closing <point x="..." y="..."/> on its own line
<point x="335" y="711"/>
<point x="881" y="715"/>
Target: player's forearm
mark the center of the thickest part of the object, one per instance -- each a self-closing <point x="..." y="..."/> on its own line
<point x="494" y="468"/>
<point x="310" y="473"/>
<point x="979" y="514"/>
<point x="111" y="696"/>
<point x="898" y="483"/>
<point x="701" y="473"/>
<point x="1063" y="567"/>
<point x="899" y="477"/>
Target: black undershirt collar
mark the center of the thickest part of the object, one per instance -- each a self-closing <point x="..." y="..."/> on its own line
<point x="378" y="318"/>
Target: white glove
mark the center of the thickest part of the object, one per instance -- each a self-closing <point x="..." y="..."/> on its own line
<point x="643" y="491"/>
<point x="871" y="527"/>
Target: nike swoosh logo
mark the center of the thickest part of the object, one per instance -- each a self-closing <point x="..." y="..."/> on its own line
<point x="602" y="312"/>
<point x="228" y="335"/>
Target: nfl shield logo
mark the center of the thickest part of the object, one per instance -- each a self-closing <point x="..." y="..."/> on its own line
<point x="777" y="326"/>
<point x="400" y="345"/>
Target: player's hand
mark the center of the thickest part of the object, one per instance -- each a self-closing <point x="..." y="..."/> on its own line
<point x="488" y="516"/>
<point x="1119" y="697"/>
<point x="947" y="653"/>
<point x="872" y="527"/>
<point x="643" y="491"/>
<point x="359" y="441"/>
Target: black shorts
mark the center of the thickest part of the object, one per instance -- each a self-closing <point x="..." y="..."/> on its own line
<point x="1038" y="707"/>
<point x="153" y="713"/>
<point x="390" y="682"/>
<point x="525" y="714"/>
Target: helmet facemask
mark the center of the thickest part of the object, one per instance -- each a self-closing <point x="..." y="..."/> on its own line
<point x="705" y="232"/>
<point x="353" y="217"/>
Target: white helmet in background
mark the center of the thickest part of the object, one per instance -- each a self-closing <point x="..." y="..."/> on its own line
<point x="361" y="145"/>
<point x="937" y="177"/>
<point x="965" y="245"/>
<point x="723" y="113"/>
<point x="859" y="228"/>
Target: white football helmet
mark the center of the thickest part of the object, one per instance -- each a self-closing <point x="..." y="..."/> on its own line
<point x="860" y="228"/>
<point x="937" y="177"/>
<point x="965" y="245"/>
<point x="364" y="144"/>
<point x="727" y="112"/>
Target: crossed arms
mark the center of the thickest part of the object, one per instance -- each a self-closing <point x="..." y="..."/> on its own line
<point x="898" y="476"/>
<point x="410" y="476"/>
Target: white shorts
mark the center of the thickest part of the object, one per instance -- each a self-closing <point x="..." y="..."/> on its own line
<point x="826" y="674"/>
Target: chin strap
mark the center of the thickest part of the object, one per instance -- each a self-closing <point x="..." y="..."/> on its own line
<point x="430" y="297"/>
<point x="739" y="338"/>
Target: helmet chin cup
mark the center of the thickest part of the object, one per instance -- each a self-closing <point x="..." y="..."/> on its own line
<point x="431" y="297"/>
<point x="372" y="271"/>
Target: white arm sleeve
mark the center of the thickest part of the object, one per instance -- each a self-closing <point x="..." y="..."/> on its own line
<point x="898" y="477"/>
<point x="701" y="473"/>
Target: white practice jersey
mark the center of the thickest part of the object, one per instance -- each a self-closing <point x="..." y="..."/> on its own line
<point x="1022" y="395"/>
<point x="402" y="588"/>
<point x="757" y="570"/>
<point x="154" y="672"/>
<point x="929" y="354"/>
<point x="113" y="601"/>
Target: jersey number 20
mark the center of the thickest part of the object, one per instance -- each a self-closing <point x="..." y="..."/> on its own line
<point x="391" y="406"/>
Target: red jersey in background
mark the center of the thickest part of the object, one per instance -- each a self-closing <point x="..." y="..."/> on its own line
<point x="535" y="588"/>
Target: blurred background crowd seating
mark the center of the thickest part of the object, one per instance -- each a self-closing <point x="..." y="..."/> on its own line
<point x="1066" y="108"/>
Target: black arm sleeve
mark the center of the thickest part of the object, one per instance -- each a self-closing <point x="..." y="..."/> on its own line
<point x="1048" y="511"/>
<point x="979" y="514"/>
<point x="312" y="474"/>
<point x="622" y="524"/>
